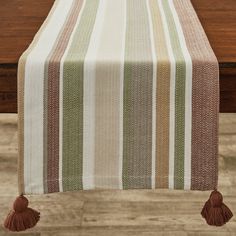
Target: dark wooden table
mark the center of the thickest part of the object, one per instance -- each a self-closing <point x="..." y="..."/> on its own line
<point x="21" y="19"/>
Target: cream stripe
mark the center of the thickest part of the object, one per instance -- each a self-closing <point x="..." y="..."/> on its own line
<point x="121" y="98"/>
<point x="89" y="101"/>
<point x="107" y="92"/>
<point x="172" y="98"/>
<point x="21" y="81"/>
<point x="33" y="120"/>
<point x="154" y="96"/>
<point x="188" y="99"/>
<point x="61" y="97"/>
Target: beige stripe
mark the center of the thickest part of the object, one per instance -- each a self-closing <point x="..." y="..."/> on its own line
<point x="107" y="96"/>
<point x="20" y="90"/>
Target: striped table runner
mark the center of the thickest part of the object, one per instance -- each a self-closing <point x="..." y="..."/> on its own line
<point x="118" y="95"/>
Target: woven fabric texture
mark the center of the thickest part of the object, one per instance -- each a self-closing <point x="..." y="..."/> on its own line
<point x="118" y="95"/>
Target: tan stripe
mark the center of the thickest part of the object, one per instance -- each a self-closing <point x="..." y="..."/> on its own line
<point x="20" y="91"/>
<point x="205" y="100"/>
<point x="163" y="99"/>
<point x="20" y="101"/>
<point x="107" y="97"/>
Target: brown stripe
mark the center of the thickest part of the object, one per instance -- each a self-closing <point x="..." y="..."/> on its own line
<point x="20" y="100"/>
<point x="205" y="100"/>
<point x="52" y="113"/>
<point x="106" y="168"/>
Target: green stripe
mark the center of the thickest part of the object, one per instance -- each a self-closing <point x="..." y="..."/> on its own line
<point x="72" y="171"/>
<point x="179" y="98"/>
<point x="137" y="121"/>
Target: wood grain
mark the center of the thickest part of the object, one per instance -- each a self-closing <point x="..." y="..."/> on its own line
<point x="116" y="212"/>
<point x="19" y="22"/>
<point x="21" y="19"/>
<point x="218" y="19"/>
<point x="8" y="88"/>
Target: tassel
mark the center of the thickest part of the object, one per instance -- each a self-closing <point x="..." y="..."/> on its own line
<point x="21" y="217"/>
<point x="215" y="211"/>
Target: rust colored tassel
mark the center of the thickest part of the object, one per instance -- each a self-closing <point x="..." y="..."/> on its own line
<point x="21" y="217"/>
<point x="215" y="211"/>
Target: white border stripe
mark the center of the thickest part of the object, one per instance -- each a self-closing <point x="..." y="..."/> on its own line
<point x="188" y="99"/>
<point x="154" y="95"/>
<point x="89" y="100"/>
<point x="33" y="99"/>
<point x="172" y="98"/>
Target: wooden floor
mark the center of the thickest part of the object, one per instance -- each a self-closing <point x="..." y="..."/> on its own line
<point x="104" y="213"/>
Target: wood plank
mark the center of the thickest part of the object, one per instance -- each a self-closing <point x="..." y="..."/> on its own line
<point x="8" y="88"/>
<point x="228" y="90"/>
<point x="218" y="19"/>
<point x="116" y="212"/>
<point x="8" y="102"/>
<point x="19" y="21"/>
<point x="8" y="77"/>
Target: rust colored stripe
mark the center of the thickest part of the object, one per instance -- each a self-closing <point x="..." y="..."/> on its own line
<point x="205" y="100"/>
<point x="52" y="76"/>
